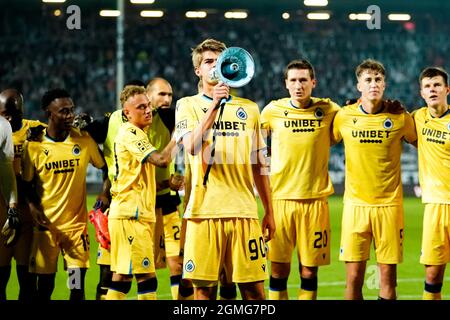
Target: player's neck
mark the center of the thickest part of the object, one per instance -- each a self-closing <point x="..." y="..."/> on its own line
<point x="371" y="106"/>
<point x="208" y="91"/>
<point x="438" y="111"/>
<point x="301" y="104"/>
<point x="56" y="135"/>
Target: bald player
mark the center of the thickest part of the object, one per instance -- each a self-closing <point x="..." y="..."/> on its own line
<point x="160" y="93"/>
<point x="372" y="132"/>
<point x="12" y="108"/>
<point x="300" y="181"/>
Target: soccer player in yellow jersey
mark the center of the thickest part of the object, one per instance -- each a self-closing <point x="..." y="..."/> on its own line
<point x="11" y="107"/>
<point x="133" y="190"/>
<point x="159" y="91"/>
<point x="300" y="128"/>
<point x="55" y="171"/>
<point x="223" y="231"/>
<point x="433" y="132"/>
<point x="372" y="132"/>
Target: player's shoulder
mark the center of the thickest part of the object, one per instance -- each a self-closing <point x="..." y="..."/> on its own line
<point x="245" y="103"/>
<point x="419" y="113"/>
<point x="278" y="103"/>
<point x="188" y="100"/>
<point x="348" y="109"/>
<point x="33" y="123"/>
<point x="79" y="135"/>
<point x="325" y="103"/>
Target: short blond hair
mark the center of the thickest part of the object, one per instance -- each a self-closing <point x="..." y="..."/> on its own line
<point x="207" y="45"/>
<point x="130" y="91"/>
<point x="370" y="64"/>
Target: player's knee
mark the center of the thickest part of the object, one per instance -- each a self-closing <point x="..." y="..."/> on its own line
<point x="278" y="284"/>
<point x="121" y="286"/>
<point x="309" y="284"/>
<point x="228" y="292"/>
<point x="148" y="285"/>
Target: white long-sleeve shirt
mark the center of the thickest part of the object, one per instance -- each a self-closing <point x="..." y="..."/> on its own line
<point x="8" y="187"/>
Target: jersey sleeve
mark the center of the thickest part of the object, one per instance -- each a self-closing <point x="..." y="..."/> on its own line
<point x="410" y="128"/>
<point x="258" y="139"/>
<point x="27" y="163"/>
<point x="95" y="156"/>
<point x="138" y="144"/>
<point x="336" y="124"/>
<point x="265" y="118"/>
<point x="185" y="120"/>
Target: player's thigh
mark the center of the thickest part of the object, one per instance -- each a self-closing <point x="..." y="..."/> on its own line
<point x="285" y="215"/>
<point x="204" y="249"/>
<point x="247" y="253"/>
<point x="356" y="234"/>
<point x="436" y="234"/>
<point x="314" y="233"/>
<point x="172" y="231"/>
<point x="387" y="229"/>
<point x="75" y="248"/>
<point x="22" y="248"/>
<point x="131" y="246"/>
<point x="44" y="252"/>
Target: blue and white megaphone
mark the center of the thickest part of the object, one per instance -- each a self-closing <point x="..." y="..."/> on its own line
<point x="235" y="68"/>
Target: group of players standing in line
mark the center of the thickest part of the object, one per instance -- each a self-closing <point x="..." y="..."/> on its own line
<point x="220" y="238"/>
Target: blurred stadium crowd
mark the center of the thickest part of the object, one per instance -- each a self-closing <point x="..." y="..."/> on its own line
<point x="38" y="52"/>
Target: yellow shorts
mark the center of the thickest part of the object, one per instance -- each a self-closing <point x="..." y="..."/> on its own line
<point x="305" y="224"/>
<point x="131" y="246"/>
<point x="361" y="224"/>
<point x="436" y="234"/>
<point x="233" y="244"/>
<point x="103" y="256"/>
<point x="172" y="231"/>
<point x="46" y="246"/>
<point x="159" y="252"/>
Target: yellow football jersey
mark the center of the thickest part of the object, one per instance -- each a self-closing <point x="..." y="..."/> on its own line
<point x="19" y="138"/>
<point x="133" y="189"/>
<point x="159" y="137"/>
<point x="434" y="155"/>
<point x="300" y="146"/>
<point x="116" y="119"/>
<point x="373" y="146"/>
<point x="229" y="191"/>
<point x="60" y="172"/>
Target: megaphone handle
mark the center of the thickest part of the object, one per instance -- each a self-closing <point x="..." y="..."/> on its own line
<point x="222" y="102"/>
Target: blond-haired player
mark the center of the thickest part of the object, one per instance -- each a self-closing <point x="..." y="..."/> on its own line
<point x="372" y="132"/>
<point x="223" y="231"/>
<point x="133" y="190"/>
<point x="433" y="132"/>
<point x="300" y="128"/>
<point x="55" y="171"/>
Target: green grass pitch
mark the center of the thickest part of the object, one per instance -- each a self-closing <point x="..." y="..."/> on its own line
<point x="331" y="278"/>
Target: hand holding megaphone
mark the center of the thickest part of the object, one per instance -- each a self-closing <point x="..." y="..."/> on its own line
<point x="234" y="68"/>
<point x="220" y="94"/>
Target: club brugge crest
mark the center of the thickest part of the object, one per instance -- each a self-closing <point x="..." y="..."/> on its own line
<point x="241" y="114"/>
<point x="76" y="150"/>
<point x="146" y="263"/>
<point x="189" y="266"/>
<point x="448" y="126"/>
<point x="318" y="113"/>
<point x="388" y="124"/>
